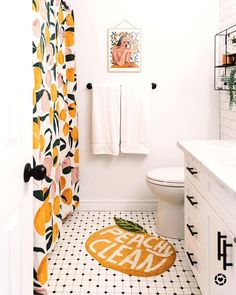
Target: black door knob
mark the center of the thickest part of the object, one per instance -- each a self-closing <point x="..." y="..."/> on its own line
<point x="38" y="173"/>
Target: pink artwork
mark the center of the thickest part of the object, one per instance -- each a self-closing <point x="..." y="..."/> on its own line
<point x="124" y="52"/>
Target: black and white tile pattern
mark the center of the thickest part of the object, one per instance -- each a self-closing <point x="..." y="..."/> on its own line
<point x="73" y="271"/>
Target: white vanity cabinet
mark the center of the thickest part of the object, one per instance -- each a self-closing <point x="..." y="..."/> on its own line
<point x="210" y="218"/>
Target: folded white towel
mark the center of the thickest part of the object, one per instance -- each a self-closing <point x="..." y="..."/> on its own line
<point x="135" y="114"/>
<point x="106" y="119"/>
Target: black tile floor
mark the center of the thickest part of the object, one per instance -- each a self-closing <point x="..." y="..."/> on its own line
<point x="73" y="271"/>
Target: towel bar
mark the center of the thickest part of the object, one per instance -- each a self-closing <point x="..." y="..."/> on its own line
<point x="90" y="86"/>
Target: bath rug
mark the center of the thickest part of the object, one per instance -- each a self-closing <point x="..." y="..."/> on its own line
<point x="127" y="247"/>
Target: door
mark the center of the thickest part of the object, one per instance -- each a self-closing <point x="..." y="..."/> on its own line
<point x="222" y="259"/>
<point x="16" y="208"/>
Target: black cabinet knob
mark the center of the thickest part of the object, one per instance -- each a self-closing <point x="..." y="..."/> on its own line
<point x="38" y="173"/>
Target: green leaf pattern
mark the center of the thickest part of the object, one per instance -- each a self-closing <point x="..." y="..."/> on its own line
<point x="129" y="226"/>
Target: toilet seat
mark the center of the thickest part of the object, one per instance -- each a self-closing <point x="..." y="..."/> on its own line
<point x="166" y="176"/>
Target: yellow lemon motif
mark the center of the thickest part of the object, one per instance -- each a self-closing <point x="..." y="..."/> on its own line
<point x="51" y="115"/>
<point x="60" y="16"/>
<point x="69" y="38"/>
<point x="76" y="156"/>
<point x="47" y="35"/>
<point x="128" y="248"/>
<point x="37" y="78"/>
<point x="56" y="205"/>
<point x="74" y="133"/>
<point x="34" y="97"/>
<point x="62" y="115"/>
<point x="55" y="232"/>
<point x="60" y="57"/>
<point x="76" y="204"/>
<point x="62" y="182"/>
<point x="42" y="143"/>
<point x="36" y="135"/>
<point x="53" y="92"/>
<point x="66" y="129"/>
<point x="40" y="52"/>
<point x="69" y="20"/>
<point x="42" y="273"/>
<point x="65" y="89"/>
<point x="70" y="74"/>
<point x="43" y="216"/>
<point x="39" y="221"/>
<point x="67" y="196"/>
<point x="55" y="156"/>
<point x="48" y="211"/>
<point x="72" y="110"/>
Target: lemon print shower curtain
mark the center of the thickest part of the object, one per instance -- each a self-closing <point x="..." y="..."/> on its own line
<point x="55" y="127"/>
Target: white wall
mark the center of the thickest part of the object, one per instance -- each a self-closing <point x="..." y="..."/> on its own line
<point x="227" y="116"/>
<point x="177" y="50"/>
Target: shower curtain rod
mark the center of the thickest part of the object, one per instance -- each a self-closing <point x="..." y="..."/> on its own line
<point x="90" y="85"/>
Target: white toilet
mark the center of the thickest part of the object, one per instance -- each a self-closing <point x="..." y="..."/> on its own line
<point x="168" y="186"/>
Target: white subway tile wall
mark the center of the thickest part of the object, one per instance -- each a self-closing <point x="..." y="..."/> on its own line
<point x="227" y="115"/>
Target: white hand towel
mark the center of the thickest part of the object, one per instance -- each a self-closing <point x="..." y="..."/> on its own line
<point x="135" y="115"/>
<point x="106" y="119"/>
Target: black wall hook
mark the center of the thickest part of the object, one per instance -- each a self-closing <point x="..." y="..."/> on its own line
<point x="90" y="86"/>
<point x="154" y="85"/>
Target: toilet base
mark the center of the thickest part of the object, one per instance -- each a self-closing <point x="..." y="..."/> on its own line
<point x="170" y="220"/>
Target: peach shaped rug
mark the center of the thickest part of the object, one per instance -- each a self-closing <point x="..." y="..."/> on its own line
<point x="127" y="247"/>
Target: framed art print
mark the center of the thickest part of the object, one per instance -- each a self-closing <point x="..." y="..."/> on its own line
<point x="124" y="50"/>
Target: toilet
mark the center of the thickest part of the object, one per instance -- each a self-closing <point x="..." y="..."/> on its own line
<point x="167" y="184"/>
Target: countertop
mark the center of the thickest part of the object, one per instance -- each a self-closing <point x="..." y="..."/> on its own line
<point x="218" y="156"/>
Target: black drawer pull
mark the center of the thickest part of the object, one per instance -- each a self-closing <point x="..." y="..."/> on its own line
<point x="191" y="170"/>
<point x="219" y="252"/>
<point x="190" y="258"/>
<point x="193" y="233"/>
<point x="225" y="263"/>
<point x="222" y="253"/>
<point x="190" y="200"/>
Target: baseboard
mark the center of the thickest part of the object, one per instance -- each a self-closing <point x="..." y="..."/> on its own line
<point x="118" y="205"/>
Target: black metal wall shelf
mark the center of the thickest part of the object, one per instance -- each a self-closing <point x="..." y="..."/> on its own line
<point x="225" y="66"/>
<point x="224" y="48"/>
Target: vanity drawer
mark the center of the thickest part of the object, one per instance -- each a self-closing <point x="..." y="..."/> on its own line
<point x="198" y="265"/>
<point x="194" y="203"/>
<point x="193" y="171"/>
<point x="197" y="232"/>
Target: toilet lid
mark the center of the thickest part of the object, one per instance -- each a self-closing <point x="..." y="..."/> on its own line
<point x="167" y="174"/>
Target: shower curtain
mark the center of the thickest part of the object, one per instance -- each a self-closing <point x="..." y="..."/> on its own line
<point x="55" y="128"/>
